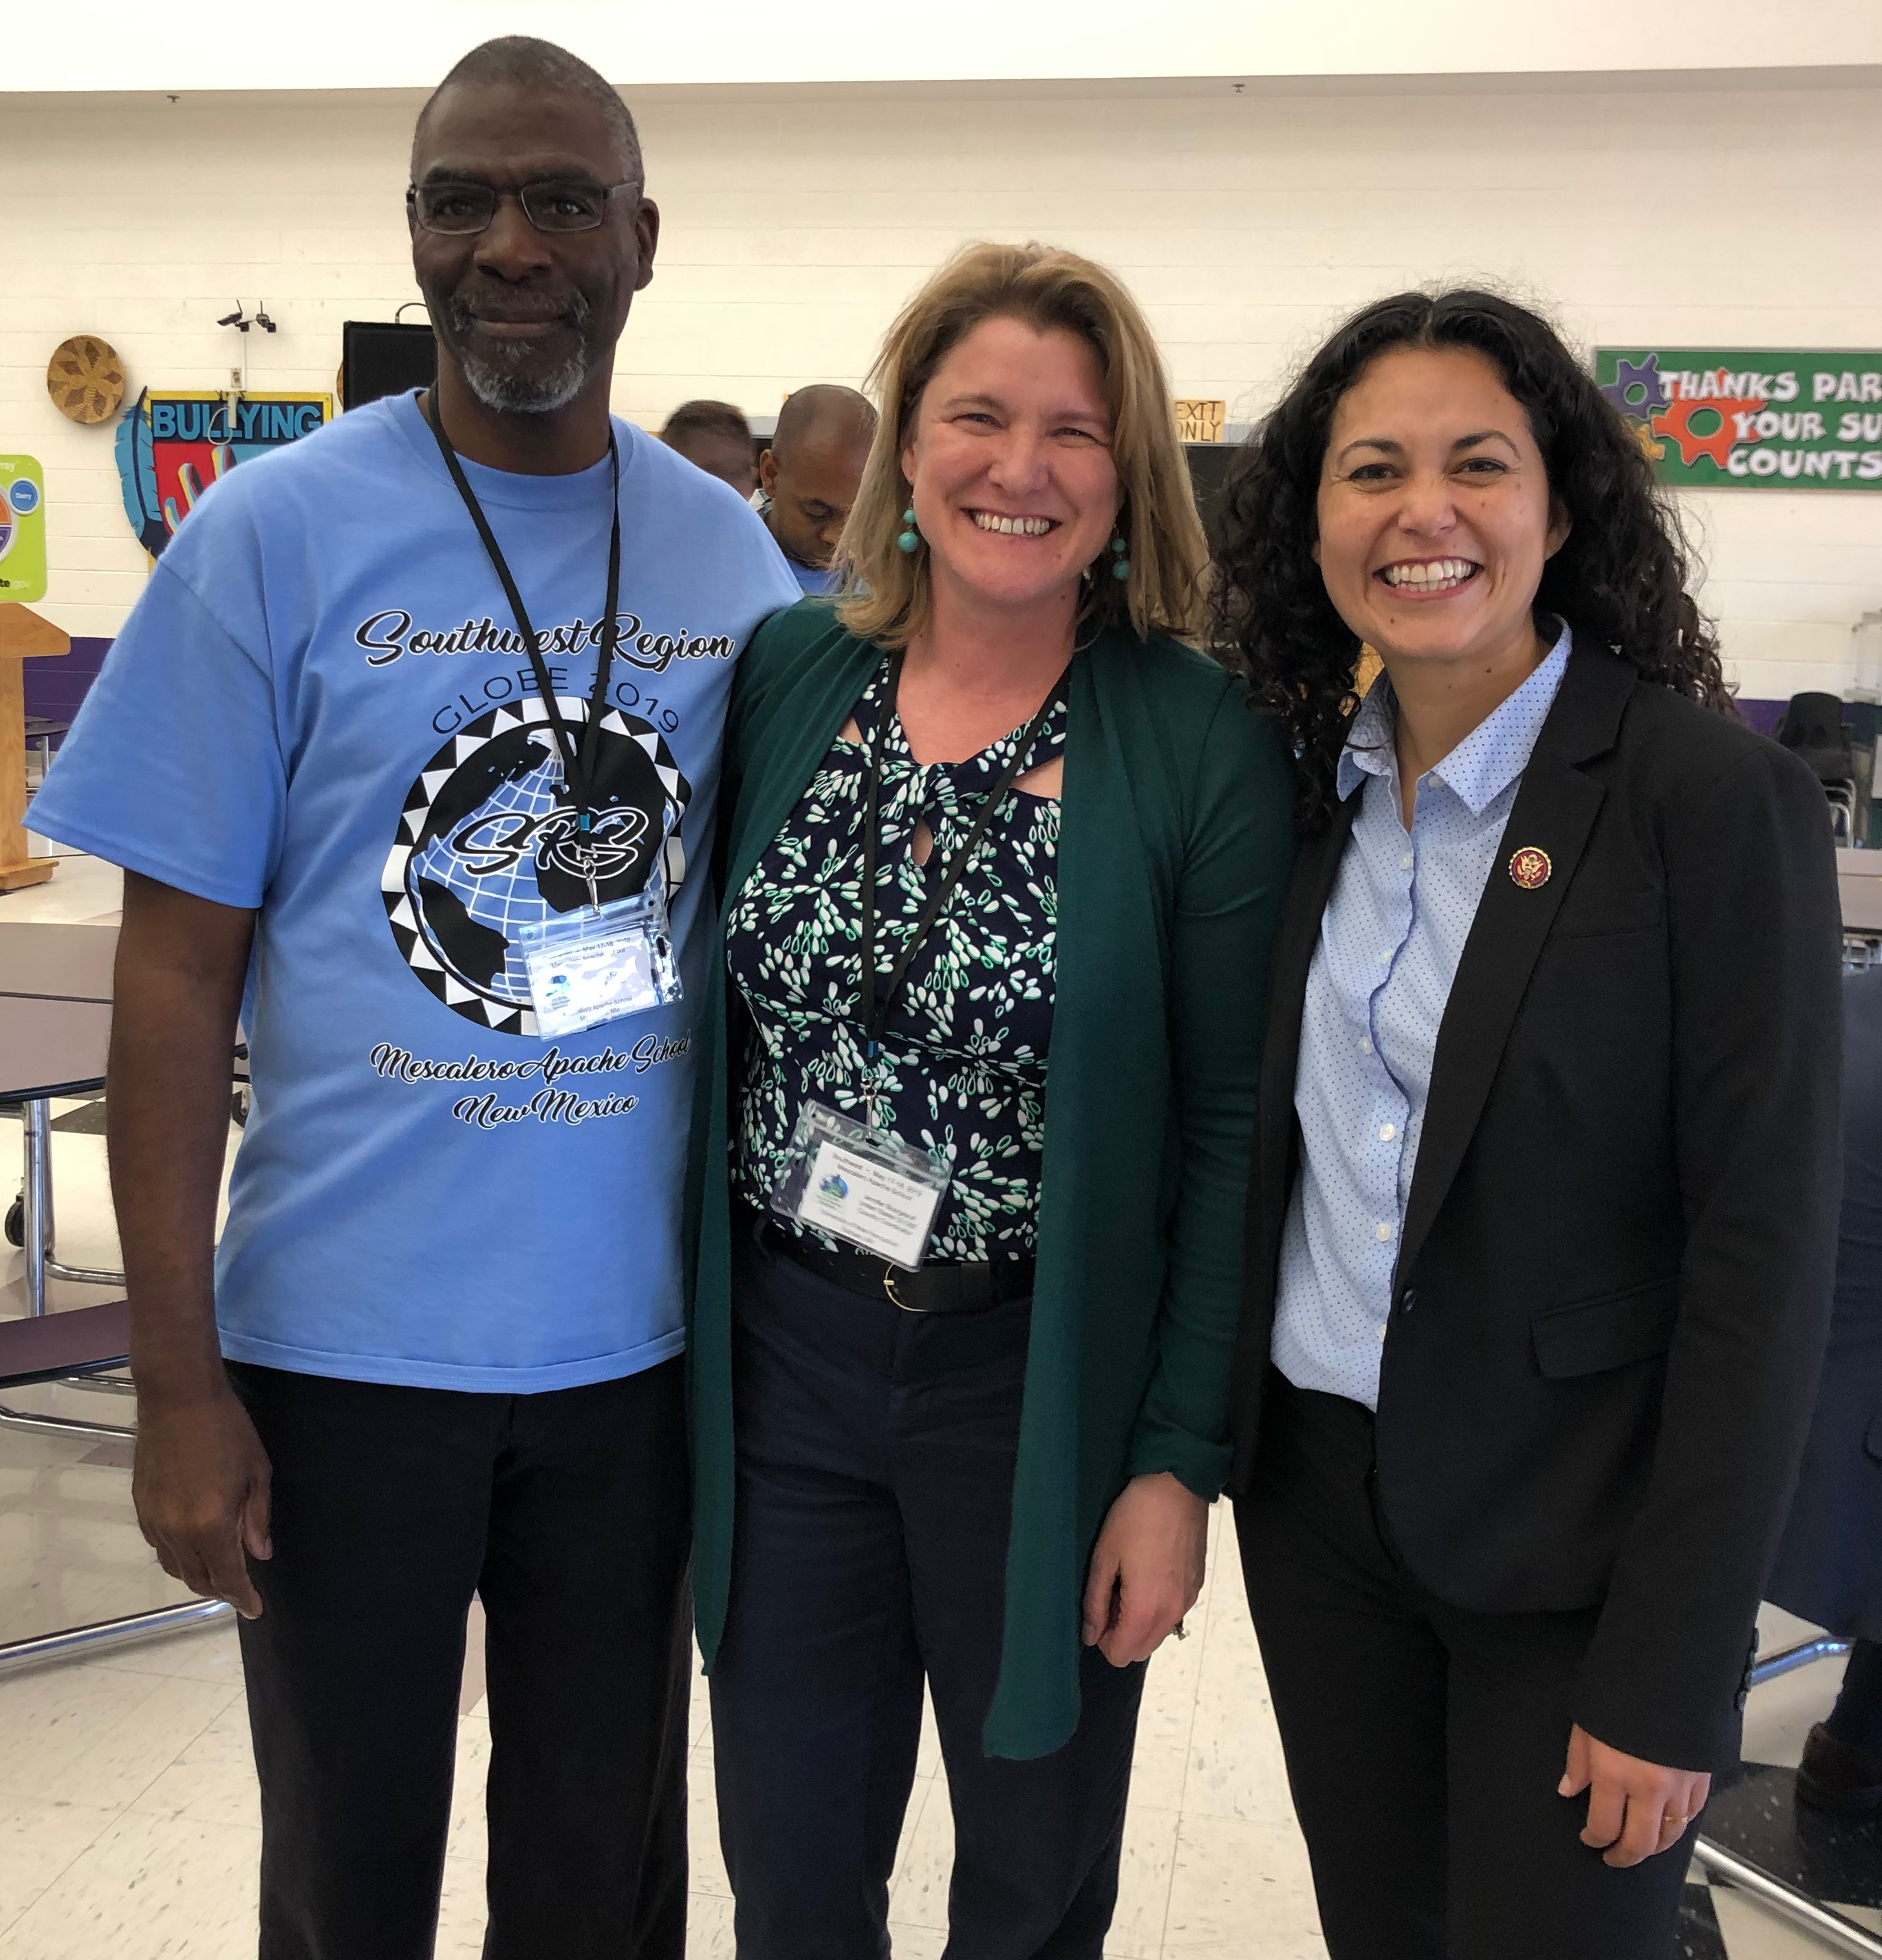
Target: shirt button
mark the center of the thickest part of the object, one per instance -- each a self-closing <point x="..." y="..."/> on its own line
<point x="1387" y="1131"/>
<point x="1382" y="1334"/>
<point x="1365" y="1045"/>
<point x="1385" y="958"/>
<point x="1382" y="1230"/>
<point x="1404" y="863"/>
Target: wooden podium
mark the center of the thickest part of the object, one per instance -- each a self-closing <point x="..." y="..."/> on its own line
<point x="24" y="636"/>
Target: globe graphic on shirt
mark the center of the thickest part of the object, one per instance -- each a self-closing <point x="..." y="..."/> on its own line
<point x="489" y="840"/>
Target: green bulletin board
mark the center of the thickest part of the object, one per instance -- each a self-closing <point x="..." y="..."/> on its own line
<point x="1750" y="418"/>
<point x="22" y="531"/>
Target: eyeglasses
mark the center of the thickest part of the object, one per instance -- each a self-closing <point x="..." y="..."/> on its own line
<point x="462" y="210"/>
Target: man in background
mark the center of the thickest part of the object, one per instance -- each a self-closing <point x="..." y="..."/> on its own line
<point x="714" y="437"/>
<point x="810" y="475"/>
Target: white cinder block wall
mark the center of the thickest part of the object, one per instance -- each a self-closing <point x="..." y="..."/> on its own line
<point x="795" y="224"/>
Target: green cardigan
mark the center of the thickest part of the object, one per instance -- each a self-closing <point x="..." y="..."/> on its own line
<point x="1175" y="845"/>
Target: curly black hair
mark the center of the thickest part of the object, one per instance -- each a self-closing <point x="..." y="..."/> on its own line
<point x="1619" y="580"/>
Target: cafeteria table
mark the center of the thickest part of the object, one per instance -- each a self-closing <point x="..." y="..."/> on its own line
<point x="55" y="1030"/>
<point x="54" y="1026"/>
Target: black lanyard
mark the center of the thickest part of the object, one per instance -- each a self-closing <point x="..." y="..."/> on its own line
<point x="874" y="1003"/>
<point x="578" y="769"/>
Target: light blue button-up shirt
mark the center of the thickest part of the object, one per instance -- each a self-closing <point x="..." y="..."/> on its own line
<point x="1390" y="939"/>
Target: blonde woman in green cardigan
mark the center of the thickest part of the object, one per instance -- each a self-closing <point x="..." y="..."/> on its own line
<point x="969" y="1232"/>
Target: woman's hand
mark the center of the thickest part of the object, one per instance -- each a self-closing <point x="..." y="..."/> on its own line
<point x="1636" y="1809"/>
<point x="1146" y="1569"/>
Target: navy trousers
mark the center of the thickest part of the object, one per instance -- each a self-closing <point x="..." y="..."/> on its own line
<point x="876" y="1451"/>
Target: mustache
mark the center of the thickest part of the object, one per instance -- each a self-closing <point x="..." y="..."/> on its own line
<point x="572" y="306"/>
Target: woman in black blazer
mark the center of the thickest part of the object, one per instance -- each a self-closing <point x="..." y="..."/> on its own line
<point x="1543" y="1208"/>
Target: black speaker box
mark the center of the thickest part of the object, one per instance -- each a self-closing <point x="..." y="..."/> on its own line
<point x="382" y="357"/>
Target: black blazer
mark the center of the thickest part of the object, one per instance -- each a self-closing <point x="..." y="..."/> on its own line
<point x="1613" y="1283"/>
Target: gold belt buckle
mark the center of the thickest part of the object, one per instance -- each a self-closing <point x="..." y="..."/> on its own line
<point x="888" y="1287"/>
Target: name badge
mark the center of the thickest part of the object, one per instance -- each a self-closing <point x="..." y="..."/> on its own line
<point x="866" y="1187"/>
<point x="592" y="967"/>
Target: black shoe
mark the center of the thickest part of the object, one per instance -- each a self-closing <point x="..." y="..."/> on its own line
<point x="1832" y="1776"/>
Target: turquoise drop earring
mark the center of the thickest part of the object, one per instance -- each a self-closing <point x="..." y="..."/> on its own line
<point x="1120" y="564"/>
<point x="910" y="540"/>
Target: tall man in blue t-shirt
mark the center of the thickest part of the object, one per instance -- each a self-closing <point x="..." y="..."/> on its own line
<point x="436" y="1352"/>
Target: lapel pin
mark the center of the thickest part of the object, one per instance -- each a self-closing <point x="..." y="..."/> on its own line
<point x="1530" y="868"/>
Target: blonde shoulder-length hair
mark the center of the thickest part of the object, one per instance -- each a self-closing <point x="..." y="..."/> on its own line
<point x="887" y="594"/>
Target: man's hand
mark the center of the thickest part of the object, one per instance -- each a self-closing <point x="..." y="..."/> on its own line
<point x="1146" y="1569"/>
<point x="1636" y="1809"/>
<point x="201" y="1488"/>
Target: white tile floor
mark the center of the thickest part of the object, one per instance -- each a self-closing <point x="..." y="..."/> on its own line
<point x="128" y="1826"/>
<point x="82" y="888"/>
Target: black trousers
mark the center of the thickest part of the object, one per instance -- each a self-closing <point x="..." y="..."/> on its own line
<point x="566" y="1512"/>
<point x="1857" y="1717"/>
<point x="1424" y="1744"/>
<point x="876" y="1451"/>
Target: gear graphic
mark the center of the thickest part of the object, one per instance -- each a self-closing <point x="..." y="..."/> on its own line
<point x="1676" y="422"/>
<point x="1653" y="451"/>
<point x="1646" y="376"/>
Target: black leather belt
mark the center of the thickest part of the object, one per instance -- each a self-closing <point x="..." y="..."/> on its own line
<point x="962" y="1289"/>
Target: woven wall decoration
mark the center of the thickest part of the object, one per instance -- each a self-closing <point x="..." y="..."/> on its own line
<point x="85" y="379"/>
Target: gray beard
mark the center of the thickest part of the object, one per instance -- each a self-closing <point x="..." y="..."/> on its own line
<point x="517" y="389"/>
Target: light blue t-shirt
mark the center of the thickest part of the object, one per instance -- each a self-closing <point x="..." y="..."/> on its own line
<point x="321" y="706"/>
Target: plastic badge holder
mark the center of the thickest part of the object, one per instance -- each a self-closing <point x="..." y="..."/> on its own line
<point x="866" y="1187"/>
<point x="590" y="967"/>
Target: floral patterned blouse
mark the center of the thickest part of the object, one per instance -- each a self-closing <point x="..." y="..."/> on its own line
<point x="963" y="1067"/>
